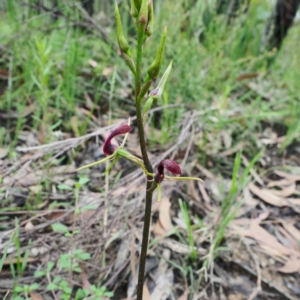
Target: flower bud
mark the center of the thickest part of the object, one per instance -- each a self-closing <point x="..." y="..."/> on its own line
<point x="150" y="25"/>
<point x="143" y="14"/>
<point x="123" y="45"/>
<point x="153" y="70"/>
<point x="135" y="5"/>
<point x="157" y="92"/>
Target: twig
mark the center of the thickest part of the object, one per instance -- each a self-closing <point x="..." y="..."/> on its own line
<point x="256" y="291"/>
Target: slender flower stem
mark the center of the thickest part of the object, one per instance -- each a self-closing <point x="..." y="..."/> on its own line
<point x="149" y="192"/>
<point x="139" y="56"/>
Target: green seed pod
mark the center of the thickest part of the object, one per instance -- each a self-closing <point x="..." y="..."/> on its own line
<point x="129" y="62"/>
<point x="123" y="45"/>
<point x="153" y="70"/>
<point x="134" y="9"/>
<point x="150" y="25"/>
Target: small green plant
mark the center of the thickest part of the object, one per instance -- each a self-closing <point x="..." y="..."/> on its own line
<point x="187" y="221"/>
<point x="61" y="285"/>
<point x="25" y="290"/>
<point x="143" y="19"/>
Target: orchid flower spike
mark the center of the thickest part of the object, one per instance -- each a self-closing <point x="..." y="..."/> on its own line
<point x="108" y="147"/>
<point x="170" y="165"/>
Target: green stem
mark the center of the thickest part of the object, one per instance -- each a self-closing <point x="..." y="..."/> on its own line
<point x="149" y="192"/>
<point x="139" y="56"/>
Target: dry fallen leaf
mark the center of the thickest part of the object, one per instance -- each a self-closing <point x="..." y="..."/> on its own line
<point x="84" y="278"/>
<point x="292" y="243"/>
<point x="245" y="221"/>
<point x="164" y="214"/>
<point x="291" y="266"/>
<point x="3" y="152"/>
<point x="146" y="293"/>
<point x="294" y="201"/>
<point x="279" y="183"/>
<point x="93" y="63"/>
<point x="286" y="191"/>
<point x="263" y="237"/>
<point x="292" y="230"/>
<point x="233" y="150"/>
<point x="267" y="196"/>
<point x="185" y="295"/>
<point x="35" y="296"/>
<point x="158" y="229"/>
<point x="292" y="177"/>
<point x="203" y="192"/>
<point x="192" y="192"/>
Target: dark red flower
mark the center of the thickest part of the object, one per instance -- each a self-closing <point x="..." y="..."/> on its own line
<point x="108" y="147"/>
<point x="170" y="165"/>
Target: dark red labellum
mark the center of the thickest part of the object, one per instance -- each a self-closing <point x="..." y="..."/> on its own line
<point x="170" y="165"/>
<point x="108" y="147"/>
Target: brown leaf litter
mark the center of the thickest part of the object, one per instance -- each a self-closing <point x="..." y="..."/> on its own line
<point x="263" y="253"/>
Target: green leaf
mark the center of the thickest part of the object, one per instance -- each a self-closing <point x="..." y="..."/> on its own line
<point x="81" y="294"/>
<point x="64" y="187"/>
<point x="56" y="279"/>
<point x="19" y="298"/>
<point x="83" y="180"/>
<point x="63" y="284"/>
<point x="67" y="290"/>
<point x="58" y="227"/>
<point x="18" y="289"/>
<point x="89" y="207"/>
<point x="39" y="274"/>
<point x="34" y="286"/>
<point x="52" y="286"/>
<point x="50" y="265"/>
<point x="85" y="256"/>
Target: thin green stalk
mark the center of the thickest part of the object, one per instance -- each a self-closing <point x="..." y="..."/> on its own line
<point x="139" y="57"/>
<point x="149" y="193"/>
